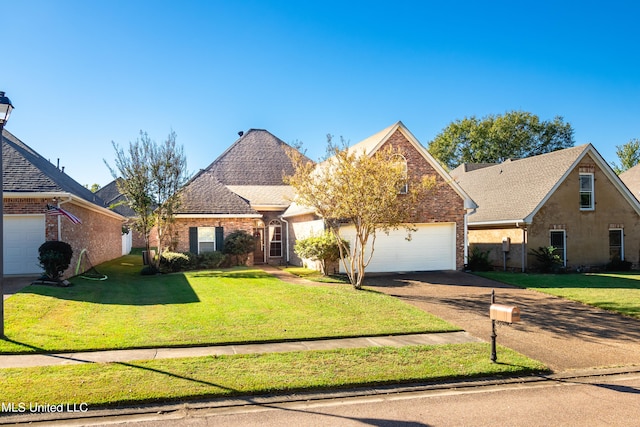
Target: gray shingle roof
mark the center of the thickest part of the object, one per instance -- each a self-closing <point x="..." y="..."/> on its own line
<point x="265" y="195"/>
<point x="26" y="171"/>
<point x="257" y="158"/>
<point x="115" y="200"/>
<point x="631" y="179"/>
<point x="204" y="194"/>
<point x="514" y="189"/>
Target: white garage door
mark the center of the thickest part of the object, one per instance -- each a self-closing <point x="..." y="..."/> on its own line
<point x="23" y="235"/>
<point x="432" y="247"/>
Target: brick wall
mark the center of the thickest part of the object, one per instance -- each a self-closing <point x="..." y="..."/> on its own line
<point x="442" y="203"/>
<point x="182" y="225"/>
<point x="98" y="233"/>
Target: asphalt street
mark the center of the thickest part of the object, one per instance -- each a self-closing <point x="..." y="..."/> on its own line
<point x="603" y="400"/>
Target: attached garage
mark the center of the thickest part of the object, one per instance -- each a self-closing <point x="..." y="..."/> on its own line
<point x="23" y="235"/>
<point x="432" y="247"/>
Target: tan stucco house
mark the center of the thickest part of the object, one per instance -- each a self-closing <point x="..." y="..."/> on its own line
<point x="30" y="184"/>
<point x="570" y="199"/>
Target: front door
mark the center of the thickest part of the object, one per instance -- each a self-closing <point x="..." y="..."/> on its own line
<point x="258" y="251"/>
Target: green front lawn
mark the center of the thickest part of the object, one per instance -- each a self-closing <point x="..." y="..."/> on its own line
<point x="619" y="292"/>
<point x="196" y="308"/>
<point x="162" y="380"/>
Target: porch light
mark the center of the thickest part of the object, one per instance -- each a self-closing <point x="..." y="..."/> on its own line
<point x="5" y="112"/>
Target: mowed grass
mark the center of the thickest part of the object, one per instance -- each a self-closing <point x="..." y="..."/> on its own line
<point x="196" y="308"/>
<point x="619" y="292"/>
<point x="191" y="378"/>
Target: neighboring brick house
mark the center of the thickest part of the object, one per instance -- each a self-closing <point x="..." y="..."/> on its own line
<point x="30" y="183"/>
<point x="440" y="240"/>
<point x="117" y="202"/>
<point x="243" y="189"/>
<point x="570" y="199"/>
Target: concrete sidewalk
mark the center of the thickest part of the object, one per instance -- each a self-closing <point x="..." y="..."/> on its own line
<point x="31" y="360"/>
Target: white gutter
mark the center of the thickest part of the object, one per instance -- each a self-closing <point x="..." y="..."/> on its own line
<point x="286" y="237"/>
<point x="63" y="195"/>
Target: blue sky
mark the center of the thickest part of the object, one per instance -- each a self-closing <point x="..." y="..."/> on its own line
<point x="84" y="73"/>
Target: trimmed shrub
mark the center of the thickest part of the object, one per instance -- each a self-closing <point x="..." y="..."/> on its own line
<point x="209" y="260"/>
<point x="54" y="257"/>
<point x="174" y="261"/>
<point x="239" y="244"/>
<point x="616" y="264"/>
<point x="323" y="248"/>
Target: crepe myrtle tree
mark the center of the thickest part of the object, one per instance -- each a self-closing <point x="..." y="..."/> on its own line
<point x="150" y="176"/>
<point x="371" y="192"/>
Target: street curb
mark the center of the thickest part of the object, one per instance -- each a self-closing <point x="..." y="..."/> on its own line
<point x="152" y="410"/>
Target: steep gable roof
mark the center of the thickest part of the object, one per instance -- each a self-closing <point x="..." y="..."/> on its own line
<point x="373" y="143"/>
<point x="205" y="195"/>
<point x="370" y="145"/>
<point x="256" y="158"/>
<point x="514" y="191"/>
<point x="114" y="199"/>
<point x="26" y="171"/>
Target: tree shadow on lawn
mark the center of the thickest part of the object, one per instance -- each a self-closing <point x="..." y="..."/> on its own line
<point x="451" y="293"/>
<point x="148" y="290"/>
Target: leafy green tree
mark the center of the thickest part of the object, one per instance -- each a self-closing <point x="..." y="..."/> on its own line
<point x="150" y="175"/>
<point x="493" y="139"/>
<point x="323" y="248"/>
<point x="628" y="154"/>
<point x="363" y="190"/>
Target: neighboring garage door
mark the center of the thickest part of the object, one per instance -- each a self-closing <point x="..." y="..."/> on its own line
<point x="432" y="247"/>
<point x="23" y="235"/>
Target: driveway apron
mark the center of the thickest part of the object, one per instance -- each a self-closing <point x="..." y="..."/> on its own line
<point x="564" y="335"/>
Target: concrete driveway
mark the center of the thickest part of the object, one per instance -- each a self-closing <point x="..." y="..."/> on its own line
<point x="562" y="334"/>
<point x="12" y="284"/>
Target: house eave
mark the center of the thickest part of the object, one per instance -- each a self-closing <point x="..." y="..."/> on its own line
<point x="200" y="215"/>
<point x="510" y="223"/>
<point x="61" y="195"/>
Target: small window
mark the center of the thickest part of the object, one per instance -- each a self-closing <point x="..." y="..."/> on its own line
<point x="558" y="241"/>
<point x="586" y="192"/>
<point x="404" y="188"/>
<point x="275" y="239"/>
<point x="616" y="244"/>
<point x="206" y="239"/>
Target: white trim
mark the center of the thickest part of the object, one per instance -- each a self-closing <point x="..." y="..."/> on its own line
<point x="509" y="222"/>
<point x="621" y="230"/>
<point x="592" y="205"/>
<point x="71" y="198"/>
<point x="564" y="244"/>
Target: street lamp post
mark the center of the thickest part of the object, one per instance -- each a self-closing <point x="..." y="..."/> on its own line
<point x="5" y="112"/>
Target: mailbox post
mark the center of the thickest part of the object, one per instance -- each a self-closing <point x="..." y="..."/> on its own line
<point x="500" y="313"/>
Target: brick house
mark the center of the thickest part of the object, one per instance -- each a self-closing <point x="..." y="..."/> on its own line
<point x="117" y="202"/>
<point x="30" y="183"/>
<point x="440" y="240"/>
<point x="243" y="189"/>
<point x="570" y="199"/>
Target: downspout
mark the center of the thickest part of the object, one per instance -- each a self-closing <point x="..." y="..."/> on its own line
<point x="524" y="244"/>
<point x="60" y="217"/>
<point x="286" y="232"/>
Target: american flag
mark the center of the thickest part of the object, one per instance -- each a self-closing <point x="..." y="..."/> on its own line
<point x="56" y="211"/>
